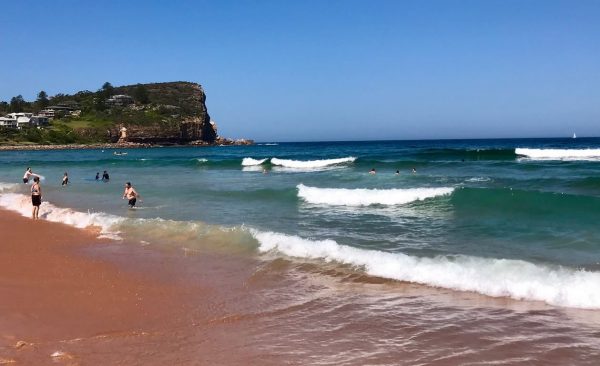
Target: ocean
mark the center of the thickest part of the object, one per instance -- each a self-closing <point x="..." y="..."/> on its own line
<point x="453" y="252"/>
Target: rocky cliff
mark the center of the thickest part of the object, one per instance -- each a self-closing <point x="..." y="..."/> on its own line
<point x="189" y="121"/>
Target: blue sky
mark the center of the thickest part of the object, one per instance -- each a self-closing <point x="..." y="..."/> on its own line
<point x="327" y="70"/>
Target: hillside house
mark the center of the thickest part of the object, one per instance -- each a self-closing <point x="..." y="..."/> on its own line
<point x="120" y="100"/>
<point x="21" y="120"/>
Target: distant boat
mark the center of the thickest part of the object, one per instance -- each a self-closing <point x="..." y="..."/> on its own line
<point x="118" y="153"/>
<point x="574" y="136"/>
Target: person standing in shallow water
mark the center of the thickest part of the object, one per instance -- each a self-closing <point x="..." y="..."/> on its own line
<point x="131" y="194"/>
<point x="105" y="176"/>
<point x="28" y="174"/>
<point x="36" y="197"/>
<point x="65" y="180"/>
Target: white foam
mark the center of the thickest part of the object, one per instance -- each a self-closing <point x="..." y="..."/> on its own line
<point x="22" y="204"/>
<point x="560" y="154"/>
<point x="366" y="197"/>
<point x="9" y="187"/>
<point x="308" y="164"/>
<point x="517" y="279"/>
<point x="202" y="160"/>
<point x="479" y="179"/>
<point x="251" y="161"/>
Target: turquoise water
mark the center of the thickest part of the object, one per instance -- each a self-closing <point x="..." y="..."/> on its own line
<point x="478" y="215"/>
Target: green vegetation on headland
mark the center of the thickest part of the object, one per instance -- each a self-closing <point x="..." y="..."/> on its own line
<point x="157" y="113"/>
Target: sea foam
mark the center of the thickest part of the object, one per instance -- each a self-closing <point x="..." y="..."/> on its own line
<point x="560" y="154"/>
<point x="310" y="164"/>
<point x="106" y="223"/>
<point x="252" y="162"/>
<point x="366" y="197"/>
<point x="517" y="279"/>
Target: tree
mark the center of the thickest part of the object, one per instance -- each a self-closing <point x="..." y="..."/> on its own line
<point x="140" y="94"/>
<point x="42" y="100"/>
<point x="107" y="90"/>
<point x="4" y="107"/>
<point x="17" y="103"/>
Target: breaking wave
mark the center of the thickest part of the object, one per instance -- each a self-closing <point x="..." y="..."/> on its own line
<point x="252" y="162"/>
<point x="517" y="279"/>
<point x="106" y="223"/>
<point x="308" y="164"/>
<point x="560" y="154"/>
<point x="366" y="197"/>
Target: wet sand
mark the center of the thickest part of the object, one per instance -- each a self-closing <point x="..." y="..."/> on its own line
<point x="97" y="302"/>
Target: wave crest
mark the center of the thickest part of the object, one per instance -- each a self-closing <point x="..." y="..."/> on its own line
<point x="252" y="162"/>
<point x="308" y="164"/>
<point x="517" y="279"/>
<point x="366" y="197"/>
<point x="559" y="154"/>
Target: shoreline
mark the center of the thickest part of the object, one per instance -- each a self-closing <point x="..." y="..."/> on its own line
<point x="101" y="302"/>
<point x="96" y="301"/>
<point x="117" y="146"/>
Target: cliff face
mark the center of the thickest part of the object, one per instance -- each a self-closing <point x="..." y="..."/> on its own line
<point x="186" y="100"/>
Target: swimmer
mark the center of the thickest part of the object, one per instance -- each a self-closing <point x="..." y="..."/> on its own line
<point x="105" y="176"/>
<point x="372" y="171"/>
<point x="36" y="197"/>
<point x="131" y="194"/>
<point x="97" y="175"/>
<point x="397" y="172"/>
<point x="414" y="170"/>
<point x="65" y="180"/>
<point x="28" y="174"/>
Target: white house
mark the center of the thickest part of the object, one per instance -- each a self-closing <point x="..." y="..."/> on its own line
<point x="20" y="120"/>
<point x="120" y="100"/>
<point x="8" y="122"/>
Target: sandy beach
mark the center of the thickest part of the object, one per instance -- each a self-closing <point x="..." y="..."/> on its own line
<point x="69" y="298"/>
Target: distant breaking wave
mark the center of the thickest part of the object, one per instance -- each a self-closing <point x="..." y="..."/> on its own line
<point x="517" y="279"/>
<point x="308" y="164"/>
<point x="366" y="197"/>
<point x="251" y="161"/>
<point x="560" y="154"/>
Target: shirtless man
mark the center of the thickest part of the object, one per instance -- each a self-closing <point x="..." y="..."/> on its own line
<point x="131" y="194"/>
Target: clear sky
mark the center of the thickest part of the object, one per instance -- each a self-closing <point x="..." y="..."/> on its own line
<point x="327" y="70"/>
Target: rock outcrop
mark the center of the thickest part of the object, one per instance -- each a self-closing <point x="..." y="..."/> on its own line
<point x="187" y="100"/>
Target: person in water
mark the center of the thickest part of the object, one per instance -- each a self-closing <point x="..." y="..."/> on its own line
<point x="372" y="171"/>
<point x="131" y="194"/>
<point x="97" y="175"/>
<point x="65" y="180"/>
<point x="414" y="170"/>
<point x="36" y="197"/>
<point x="397" y="172"/>
<point x="28" y="174"/>
<point x="105" y="176"/>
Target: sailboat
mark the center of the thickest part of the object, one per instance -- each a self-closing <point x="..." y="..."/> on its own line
<point x="574" y="135"/>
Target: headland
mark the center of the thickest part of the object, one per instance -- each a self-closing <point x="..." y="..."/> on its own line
<point x="130" y="116"/>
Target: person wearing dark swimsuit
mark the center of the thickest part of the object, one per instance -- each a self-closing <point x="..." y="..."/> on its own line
<point x="65" y="180"/>
<point x="36" y="197"/>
